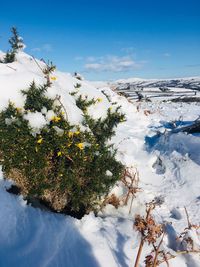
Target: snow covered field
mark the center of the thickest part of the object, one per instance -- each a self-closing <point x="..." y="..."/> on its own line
<point x="168" y="163"/>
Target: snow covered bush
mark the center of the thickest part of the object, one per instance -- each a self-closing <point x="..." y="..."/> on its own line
<point x="67" y="167"/>
<point x="103" y="129"/>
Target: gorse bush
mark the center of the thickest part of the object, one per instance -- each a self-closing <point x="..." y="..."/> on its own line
<point x="67" y="167"/>
<point x="35" y="98"/>
<point x="102" y="129"/>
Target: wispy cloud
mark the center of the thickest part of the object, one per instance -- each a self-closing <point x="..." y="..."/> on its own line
<point x="128" y="50"/>
<point x="112" y="63"/>
<point x="167" y="54"/>
<point x="45" y="47"/>
<point x="78" y="58"/>
<point x="192" y="65"/>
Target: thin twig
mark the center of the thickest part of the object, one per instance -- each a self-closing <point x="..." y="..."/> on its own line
<point x="124" y="139"/>
<point x="157" y="251"/>
<point x="187" y="251"/>
<point x="11" y="68"/>
<point x="131" y="203"/>
<point x="165" y="258"/>
<point x="183" y="252"/>
<point x="139" y="252"/>
<point x="38" y="64"/>
<point x="58" y="97"/>
<point x="148" y="212"/>
<point x="188" y="219"/>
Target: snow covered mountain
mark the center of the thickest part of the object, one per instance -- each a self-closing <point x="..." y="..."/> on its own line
<point x="167" y="161"/>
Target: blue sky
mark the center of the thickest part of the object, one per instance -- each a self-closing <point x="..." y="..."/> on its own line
<point x="106" y="40"/>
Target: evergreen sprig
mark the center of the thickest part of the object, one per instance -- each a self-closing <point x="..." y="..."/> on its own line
<point x="16" y="43"/>
<point x="36" y="99"/>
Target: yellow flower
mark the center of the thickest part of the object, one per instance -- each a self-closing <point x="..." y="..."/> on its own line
<point x="99" y="99"/>
<point x="77" y="132"/>
<point x="70" y="134"/>
<point x="80" y="146"/>
<point x="68" y="145"/>
<point x="39" y="141"/>
<point x="59" y="153"/>
<point x="56" y="119"/>
<point x="19" y="109"/>
<point x="53" y="78"/>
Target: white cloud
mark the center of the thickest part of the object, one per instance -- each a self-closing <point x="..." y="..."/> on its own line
<point x="112" y="63"/>
<point x="78" y="58"/>
<point x="45" y="47"/>
<point x="36" y="49"/>
<point x="167" y="55"/>
<point x="91" y="59"/>
<point x="93" y="66"/>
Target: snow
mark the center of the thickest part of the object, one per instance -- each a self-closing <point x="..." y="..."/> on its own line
<point x="137" y="80"/>
<point x="168" y="163"/>
<point x="18" y="76"/>
<point x="36" y="120"/>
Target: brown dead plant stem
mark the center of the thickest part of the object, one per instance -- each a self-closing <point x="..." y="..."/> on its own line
<point x="130" y="179"/>
<point x="150" y="232"/>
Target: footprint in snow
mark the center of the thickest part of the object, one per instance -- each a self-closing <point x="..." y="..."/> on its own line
<point x="175" y="214"/>
<point x="158" y="166"/>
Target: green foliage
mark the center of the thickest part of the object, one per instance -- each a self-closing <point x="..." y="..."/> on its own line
<point x="103" y="129"/>
<point x="83" y="103"/>
<point x="77" y="76"/>
<point x="36" y="99"/>
<point x="9" y="57"/>
<point x="62" y="165"/>
<point x="78" y="85"/>
<point x="49" y="69"/>
<point x="16" y="43"/>
<point x="106" y="95"/>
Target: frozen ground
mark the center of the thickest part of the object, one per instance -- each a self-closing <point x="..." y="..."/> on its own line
<point x="168" y="165"/>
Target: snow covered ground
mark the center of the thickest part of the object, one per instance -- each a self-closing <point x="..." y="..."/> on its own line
<point x="168" y="163"/>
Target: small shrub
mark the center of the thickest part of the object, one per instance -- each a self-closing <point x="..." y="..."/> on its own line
<point x="83" y="103"/>
<point x="9" y="57"/>
<point x="49" y="69"/>
<point x="35" y="98"/>
<point x="61" y="165"/>
<point x="77" y="86"/>
<point x="16" y="43"/>
<point x="103" y="128"/>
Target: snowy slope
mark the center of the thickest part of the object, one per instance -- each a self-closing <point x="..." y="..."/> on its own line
<point x="18" y="76"/>
<point x="168" y="166"/>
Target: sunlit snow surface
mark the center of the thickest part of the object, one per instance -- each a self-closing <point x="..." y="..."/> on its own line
<point x="31" y="237"/>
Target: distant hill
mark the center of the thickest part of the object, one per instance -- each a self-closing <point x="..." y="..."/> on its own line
<point x="137" y="83"/>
